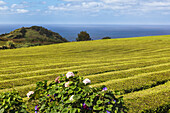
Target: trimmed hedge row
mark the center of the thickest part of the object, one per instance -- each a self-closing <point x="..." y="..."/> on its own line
<point x="161" y="109"/>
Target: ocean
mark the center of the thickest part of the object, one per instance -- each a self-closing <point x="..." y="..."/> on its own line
<point x="97" y="31"/>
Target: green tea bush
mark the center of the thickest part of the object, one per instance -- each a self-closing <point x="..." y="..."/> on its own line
<point x="160" y="109"/>
<point x="12" y="103"/>
<point x="71" y="94"/>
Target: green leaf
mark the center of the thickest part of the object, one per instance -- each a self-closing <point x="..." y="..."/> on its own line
<point x="65" y="110"/>
<point x="113" y="102"/>
<point x="6" y="106"/>
<point x="97" y="108"/>
<point x="73" y="87"/>
<point x="99" y="102"/>
<point x="2" y="110"/>
<point x="73" y="110"/>
<point x="110" y="106"/>
<point x="109" y="109"/>
<point x="23" y="110"/>
<point x="59" y="95"/>
<point x="117" y="93"/>
<point x="76" y="97"/>
<point x="70" y="91"/>
<point x="108" y="96"/>
<point x="88" y="103"/>
<point x="42" y="107"/>
<point x="70" y="82"/>
<point x="106" y="101"/>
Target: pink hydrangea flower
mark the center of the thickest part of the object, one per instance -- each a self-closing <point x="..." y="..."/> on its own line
<point x="70" y="74"/>
<point x="30" y="93"/>
<point x="57" y="79"/>
<point x="86" y="81"/>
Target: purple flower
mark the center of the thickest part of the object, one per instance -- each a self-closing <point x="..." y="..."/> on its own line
<point x="108" y="111"/>
<point x="48" y="95"/>
<point x="85" y="106"/>
<point x="104" y="89"/>
<point x="36" y="109"/>
<point x="90" y="108"/>
<point x="114" y="100"/>
<point x="108" y="102"/>
<point x="63" y="74"/>
<point x="55" y="95"/>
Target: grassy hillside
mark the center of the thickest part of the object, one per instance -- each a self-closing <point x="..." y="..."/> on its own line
<point x="138" y="67"/>
<point x="33" y="35"/>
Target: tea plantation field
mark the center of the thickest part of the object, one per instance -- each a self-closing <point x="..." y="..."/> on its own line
<point x="138" y="67"/>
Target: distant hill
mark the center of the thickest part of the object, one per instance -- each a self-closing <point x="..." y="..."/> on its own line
<point x="33" y="35"/>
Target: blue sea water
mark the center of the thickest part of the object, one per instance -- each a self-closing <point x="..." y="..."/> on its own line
<point x="97" y="31"/>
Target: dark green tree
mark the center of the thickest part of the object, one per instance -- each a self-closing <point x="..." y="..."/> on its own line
<point x="10" y="44"/>
<point x="106" y="37"/>
<point x="83" y="36"/>
<point x="23" y="31"/>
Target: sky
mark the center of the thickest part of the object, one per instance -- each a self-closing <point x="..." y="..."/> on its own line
<point x="143" y="12"/>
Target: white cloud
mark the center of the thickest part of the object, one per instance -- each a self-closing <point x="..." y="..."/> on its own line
<point x="59" y="8"/>
<point x="3" y="8"/>
<point x="73" y="0"/>
<point x="92" y="4"/>
<point x="118" y="1"/>
<point x="160" y="7"/>
<point x="13" y="5"/>
<point x="18" y="6"/>
<point x="126" y="7"/>
<point x="88" y="6"/>
<point x="155" y="4"/>
<point x="2" y="3"/>
<point x="22" y="11"/>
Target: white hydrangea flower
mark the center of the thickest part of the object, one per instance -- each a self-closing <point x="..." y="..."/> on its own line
<point x="67" y="84"/>
<point x="86" y="81"/>
<point x="70" y="74"/>
<point x="30" y="93"/>
<point x="71" y="98"/>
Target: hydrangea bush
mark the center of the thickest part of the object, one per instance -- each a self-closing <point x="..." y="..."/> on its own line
<point x="12" y="103"/>
<point x="71" y="94"/>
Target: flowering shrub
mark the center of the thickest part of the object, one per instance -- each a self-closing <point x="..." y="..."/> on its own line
<point x="30" y="93"/>
<point x="12" y="103"/>
<point x="71" y="94"/>
<point x="70" y="74"/>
